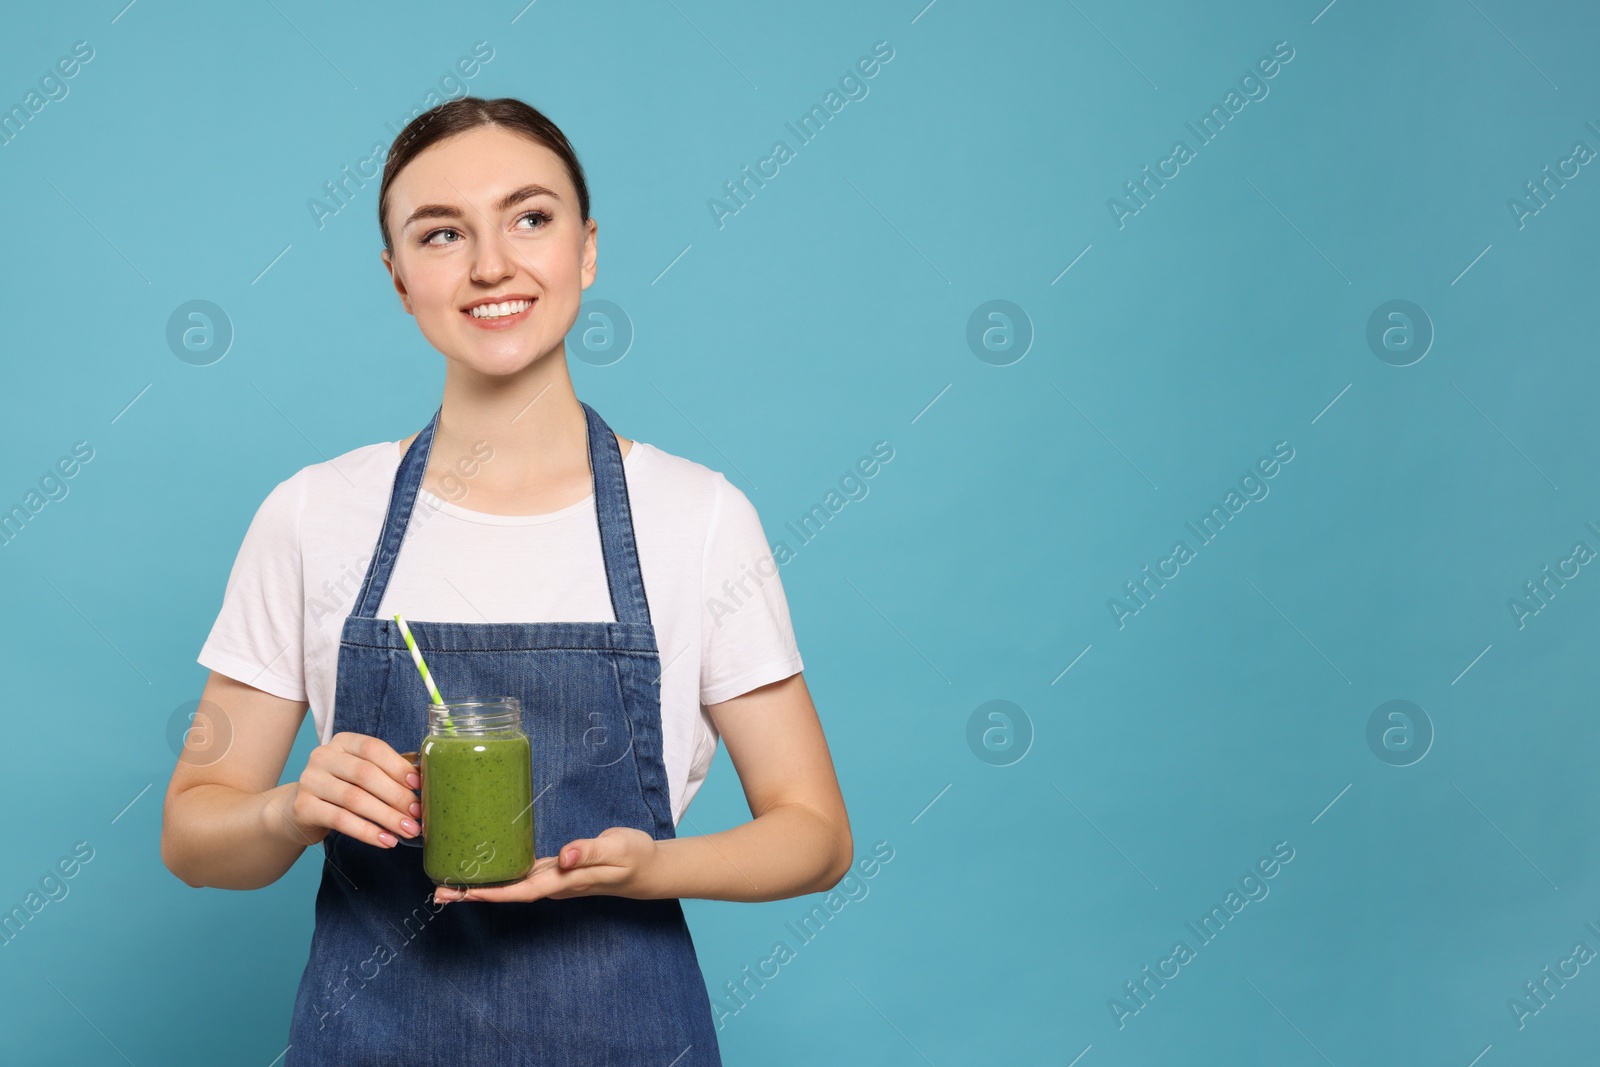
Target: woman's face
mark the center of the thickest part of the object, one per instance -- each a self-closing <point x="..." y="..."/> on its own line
<point x="485" y="217"/>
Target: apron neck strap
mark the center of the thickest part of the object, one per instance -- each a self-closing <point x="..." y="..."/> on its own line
<point x="615" y="516"/>
<point x="612" y="511"/>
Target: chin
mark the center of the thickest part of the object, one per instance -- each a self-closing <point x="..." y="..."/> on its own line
<point x="502" y="355"/>
<point x="497" y="368"/>
<point x="497" y="364"/>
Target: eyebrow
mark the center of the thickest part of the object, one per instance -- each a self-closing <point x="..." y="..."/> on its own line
<point x="447" y="211"/>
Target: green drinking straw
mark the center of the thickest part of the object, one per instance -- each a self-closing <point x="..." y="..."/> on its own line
<point x="427" y="679"/>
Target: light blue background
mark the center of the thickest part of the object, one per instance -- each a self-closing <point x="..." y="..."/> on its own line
<point x="1229" y="314"/>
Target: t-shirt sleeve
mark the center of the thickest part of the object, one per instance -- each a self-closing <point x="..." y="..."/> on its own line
<point x="259" y="635"/>
<point x="748" y="640"/>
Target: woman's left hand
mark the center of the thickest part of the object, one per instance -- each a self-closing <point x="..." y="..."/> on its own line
<point x="616" y="863"/>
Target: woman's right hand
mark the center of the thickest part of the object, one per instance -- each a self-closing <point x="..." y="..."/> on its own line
<point x="360" y="786"/>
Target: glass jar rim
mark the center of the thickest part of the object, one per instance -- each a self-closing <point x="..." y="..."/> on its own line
<point x="466" y="704"/>
<point x="475" y="715"/>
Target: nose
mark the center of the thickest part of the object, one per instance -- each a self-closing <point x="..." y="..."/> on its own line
<point x="493" y="261"/>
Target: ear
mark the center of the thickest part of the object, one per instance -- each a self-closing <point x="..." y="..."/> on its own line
<point x="591" y="253"/>
<point x="398" y="282"/>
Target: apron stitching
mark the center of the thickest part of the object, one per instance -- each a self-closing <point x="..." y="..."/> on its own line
<point x="635" y="754"/>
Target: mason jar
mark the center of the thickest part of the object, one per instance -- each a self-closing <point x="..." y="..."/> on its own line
<point x="477" y="793"/>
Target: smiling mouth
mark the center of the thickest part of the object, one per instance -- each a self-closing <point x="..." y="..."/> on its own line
<point x="506" y="309"/>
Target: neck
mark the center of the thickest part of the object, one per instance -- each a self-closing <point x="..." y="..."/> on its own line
<point x="531" y="420"/>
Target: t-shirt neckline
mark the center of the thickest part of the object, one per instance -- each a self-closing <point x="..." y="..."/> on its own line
<point x="484" y="518"/>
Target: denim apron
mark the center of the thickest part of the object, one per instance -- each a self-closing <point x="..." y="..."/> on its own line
<point x="397" y="980"/>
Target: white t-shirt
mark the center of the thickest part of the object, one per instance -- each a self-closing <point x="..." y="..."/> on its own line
<point x="717" y="604"/>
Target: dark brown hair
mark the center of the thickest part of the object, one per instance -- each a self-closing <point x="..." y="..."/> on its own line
<point x="467" y="113"/>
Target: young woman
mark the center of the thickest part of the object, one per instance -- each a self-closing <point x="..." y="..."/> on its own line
<point x="623" y="594"/>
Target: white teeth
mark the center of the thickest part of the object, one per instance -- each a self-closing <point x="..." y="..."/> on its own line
<point x="495" y="311"/>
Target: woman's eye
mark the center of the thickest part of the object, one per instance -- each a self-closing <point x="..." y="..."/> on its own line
<point x="541" y="218"/>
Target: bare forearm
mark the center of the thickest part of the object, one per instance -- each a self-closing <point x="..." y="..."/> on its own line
<point x="786" y="851"/>
<point x="215" y="835"/>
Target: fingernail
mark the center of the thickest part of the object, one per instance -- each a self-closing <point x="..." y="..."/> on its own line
<point x="570" y="857"/>
<point x="413" y="780"/>
<point x="388" y="839"/>
<point x="409" y="827"/>
<point x="416" y="809"/>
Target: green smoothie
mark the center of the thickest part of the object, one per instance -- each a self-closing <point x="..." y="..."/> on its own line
<point x="477" y="809"/>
